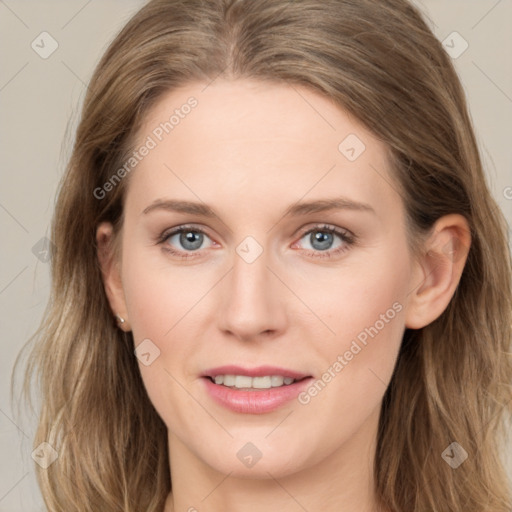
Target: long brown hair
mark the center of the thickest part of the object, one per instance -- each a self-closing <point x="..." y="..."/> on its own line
<point x="381" y="63"/>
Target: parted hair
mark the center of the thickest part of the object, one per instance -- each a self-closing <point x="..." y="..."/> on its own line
<point x="380" y="62"/>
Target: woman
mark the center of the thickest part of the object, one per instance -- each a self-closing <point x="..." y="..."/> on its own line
<point x="280" y="279"/>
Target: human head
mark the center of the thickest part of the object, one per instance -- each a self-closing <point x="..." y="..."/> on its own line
<point x="359" y="55"/>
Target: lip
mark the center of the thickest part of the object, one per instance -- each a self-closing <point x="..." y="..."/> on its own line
<point x="258" y="401"/>
<point x="259" y="371"/>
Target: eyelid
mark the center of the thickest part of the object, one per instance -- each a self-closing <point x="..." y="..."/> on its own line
<point x="348" y="238"/>
<point x="177" y="229"/>
<point x="322" y="226"/>
<point x="179" y="254"/>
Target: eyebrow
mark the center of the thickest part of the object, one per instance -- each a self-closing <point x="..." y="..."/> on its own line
<point x="295" y="210"/>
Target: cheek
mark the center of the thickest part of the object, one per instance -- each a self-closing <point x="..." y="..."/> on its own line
<point x="368" y="320"/>
<point x="366" y="299"/>
<point x="158" y="293"/>
<point x="161" y="303"/>
<point x="158" y="314"/>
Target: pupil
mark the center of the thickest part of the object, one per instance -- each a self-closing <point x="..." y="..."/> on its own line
<point x="323" y="238"/>
<point x="187" y="240"/>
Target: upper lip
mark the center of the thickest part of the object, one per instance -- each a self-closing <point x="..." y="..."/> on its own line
<point x="259" y="371"/>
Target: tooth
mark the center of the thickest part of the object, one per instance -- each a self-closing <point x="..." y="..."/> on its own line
<point x="276" y="380"/>
<point x="229" y="380"/>
<point x="261" y="382"/>
<point x="242" y="381"/>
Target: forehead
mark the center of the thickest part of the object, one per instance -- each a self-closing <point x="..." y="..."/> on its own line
<point x="238" y="110"/>
<point x="257" y="140"/>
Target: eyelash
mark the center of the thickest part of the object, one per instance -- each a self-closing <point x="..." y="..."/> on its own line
<point x="347" y="238"/>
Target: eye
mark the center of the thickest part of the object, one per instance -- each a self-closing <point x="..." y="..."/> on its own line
<point x="184" y="241"/>
<point x="186" y="238"/>
<point x="322" y="241"/>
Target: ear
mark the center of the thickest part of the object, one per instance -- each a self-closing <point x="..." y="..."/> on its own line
<point x="110" y="270"/>
<point x="438" y="270"/>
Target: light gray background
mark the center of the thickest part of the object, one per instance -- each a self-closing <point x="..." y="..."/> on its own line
<point x="40" y="98"/>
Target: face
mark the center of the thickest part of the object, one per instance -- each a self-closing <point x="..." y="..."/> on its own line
<point x="223" y="264"/>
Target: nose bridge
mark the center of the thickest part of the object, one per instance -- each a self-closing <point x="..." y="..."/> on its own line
<point x="250" y="272"/>
<point x="251" y="299"/>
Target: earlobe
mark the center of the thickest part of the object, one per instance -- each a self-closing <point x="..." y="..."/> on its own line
<point x="440" y="268"/>
<point x="111" y="274"/>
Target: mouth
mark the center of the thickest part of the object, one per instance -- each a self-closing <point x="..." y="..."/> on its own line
<point x="262" y="377"/>
<point x="253" y="391"/>
<point x="248" y="383"/>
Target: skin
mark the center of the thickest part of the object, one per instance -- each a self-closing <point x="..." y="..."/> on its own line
<point x="250" y="150"/>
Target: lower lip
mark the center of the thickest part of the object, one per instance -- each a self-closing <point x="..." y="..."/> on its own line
<point x="258" y="401"/>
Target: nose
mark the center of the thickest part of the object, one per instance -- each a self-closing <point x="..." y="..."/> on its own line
<point x="253" y="304"/>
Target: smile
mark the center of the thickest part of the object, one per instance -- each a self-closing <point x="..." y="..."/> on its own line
<point x="247" y="382"/>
